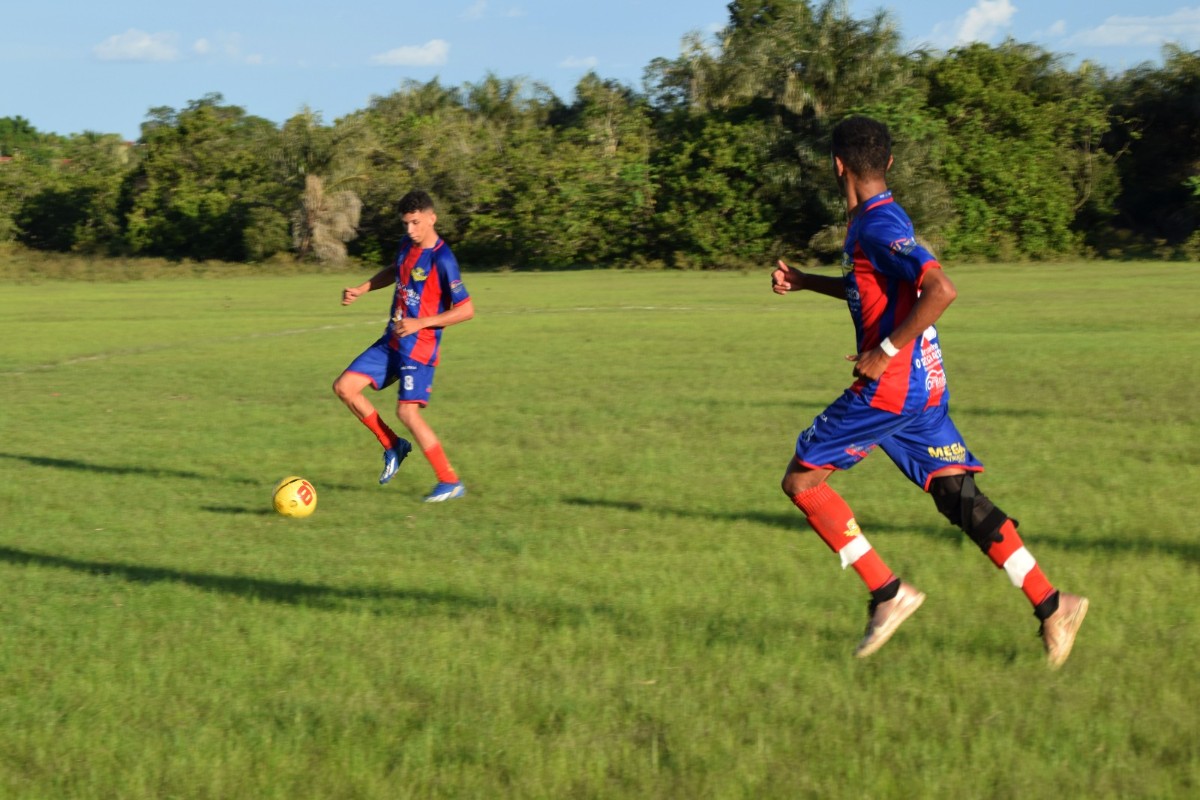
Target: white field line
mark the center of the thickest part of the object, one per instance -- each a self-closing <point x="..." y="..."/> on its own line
<point x="135" y="351"/>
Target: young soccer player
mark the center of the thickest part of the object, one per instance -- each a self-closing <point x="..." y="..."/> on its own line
<point x="429" y="296"/>
<point x="896" y="291"/>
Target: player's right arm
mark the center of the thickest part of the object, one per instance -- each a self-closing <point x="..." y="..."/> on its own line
<point x="786" y="279"/>
<point x="385" y="277"/>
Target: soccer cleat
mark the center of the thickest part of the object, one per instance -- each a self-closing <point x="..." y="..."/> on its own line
<point x="392" y="458"/>
<point x="886" y="618"/>
<point x="1058" y="631"/>
<point x="445" y="491"/>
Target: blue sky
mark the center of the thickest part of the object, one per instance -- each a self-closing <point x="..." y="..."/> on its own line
<point x="69" y="66"/>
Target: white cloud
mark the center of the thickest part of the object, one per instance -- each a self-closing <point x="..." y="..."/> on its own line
<point x="137" y="45"/>
<point x="201" y="47"/>
<point x="580" y="63"/>
<point x="980" y="24"/>
<point x="476" y="11"/>
<point x="1055" y="31"/>
<point x="1181" y="26"/>
<point x="431" y="54"/>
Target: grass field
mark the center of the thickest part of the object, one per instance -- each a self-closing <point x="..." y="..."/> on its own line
<point x="625" y="605"/>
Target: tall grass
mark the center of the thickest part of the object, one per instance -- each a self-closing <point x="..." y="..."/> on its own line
<point x="624" y="605"/>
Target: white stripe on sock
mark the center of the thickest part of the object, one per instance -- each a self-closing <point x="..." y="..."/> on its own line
<point x="856" y="549"/>
<point x="1018" y="565"/>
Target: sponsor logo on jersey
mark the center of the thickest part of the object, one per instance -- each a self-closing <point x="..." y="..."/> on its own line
<point x="951" y="452"/>
<point x="419" y="274"/>
<point x="859" y="453"/>
<point x="903" y="246"/>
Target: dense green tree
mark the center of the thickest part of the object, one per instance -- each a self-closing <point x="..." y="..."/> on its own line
<point x="1156" y="139"/>
<point x="589" y="198"/>
<point x="713" y="211"/>
<point x="790" y="69"/>
<point x="201" y="172"/>
<point x="76" y="206"/>
<point x="1022" y="148"/>
<point x="19" y="136"/>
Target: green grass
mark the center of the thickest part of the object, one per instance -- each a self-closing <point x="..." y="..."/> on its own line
<point x="625" y="605"/>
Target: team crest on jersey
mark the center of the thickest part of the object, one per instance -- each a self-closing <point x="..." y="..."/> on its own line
<point x="847" y="263"/>
<point x="419" y="274"/>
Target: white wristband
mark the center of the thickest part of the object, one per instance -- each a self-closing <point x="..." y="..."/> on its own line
<point x="889" y="348"/>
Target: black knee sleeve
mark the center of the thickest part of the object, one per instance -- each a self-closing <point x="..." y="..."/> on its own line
<point x="967" y="508"/>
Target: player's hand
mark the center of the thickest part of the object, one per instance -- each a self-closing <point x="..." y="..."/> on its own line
<point x="407" y="326"/>
<point x="352" y="293"/>
<point x="871" y="364"/>
<point x="785" y="279"/>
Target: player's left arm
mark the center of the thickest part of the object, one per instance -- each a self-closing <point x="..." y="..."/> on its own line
<point x="459" y="313"/>
<point x="937" y="293"/>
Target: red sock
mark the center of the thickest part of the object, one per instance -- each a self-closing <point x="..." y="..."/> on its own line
<point x="441" y="465"/>
<point x="834" y="522"/>
<point x="1010" y="555"/>
<point x="386" y="436"/>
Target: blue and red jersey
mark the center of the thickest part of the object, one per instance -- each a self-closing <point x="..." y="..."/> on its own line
<point x="882" y="268"/>
<point x="428" y="282"/>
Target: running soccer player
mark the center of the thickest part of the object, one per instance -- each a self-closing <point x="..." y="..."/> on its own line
<point x="429" y="296"/>
<point x="896" y="291"/>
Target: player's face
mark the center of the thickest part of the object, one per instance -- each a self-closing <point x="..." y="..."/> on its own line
<point x="419" y="227"/>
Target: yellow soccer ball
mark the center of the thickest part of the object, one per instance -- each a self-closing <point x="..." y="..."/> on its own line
<point x="294" y="497"/>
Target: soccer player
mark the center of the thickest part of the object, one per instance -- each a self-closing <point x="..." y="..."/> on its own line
<point x="896" y="291"/>
<point x="429" y="296"/>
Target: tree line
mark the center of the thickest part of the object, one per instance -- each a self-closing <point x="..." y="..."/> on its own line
<point x="719" y="160"/>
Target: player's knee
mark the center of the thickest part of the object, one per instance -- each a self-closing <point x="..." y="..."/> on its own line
<point x="796" y="481"/>
<point x="970" y="510"/>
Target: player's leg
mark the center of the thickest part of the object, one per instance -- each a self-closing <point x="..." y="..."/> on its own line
<point x="937" y="459"/>
<point x="371" y="369"/>
<point x="416" y="385"/>
<point x="829" y="444"/>
<point x="960" y="501"/>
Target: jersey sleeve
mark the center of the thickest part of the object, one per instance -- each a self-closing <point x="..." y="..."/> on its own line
<point x="451" y="278"/>
<point x="894" y="251"/>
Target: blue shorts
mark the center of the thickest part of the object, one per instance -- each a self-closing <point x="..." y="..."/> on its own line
<point x="921" y="445"/>
<point x="385" y="366"/>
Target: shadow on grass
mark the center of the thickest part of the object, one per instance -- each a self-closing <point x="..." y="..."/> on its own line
<point x="106" y="469"/>
<point x="712" y="626"/>
<point x="792" y="520"/>
<point x="76" y="465"/>
<point x="286" y="593"/>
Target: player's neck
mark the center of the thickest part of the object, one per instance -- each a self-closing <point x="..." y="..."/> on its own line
<point x="859" y="190"/>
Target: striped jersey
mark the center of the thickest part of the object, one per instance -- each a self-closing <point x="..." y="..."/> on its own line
<point x="882" y="267"/>
<point x="427" y="283"/>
